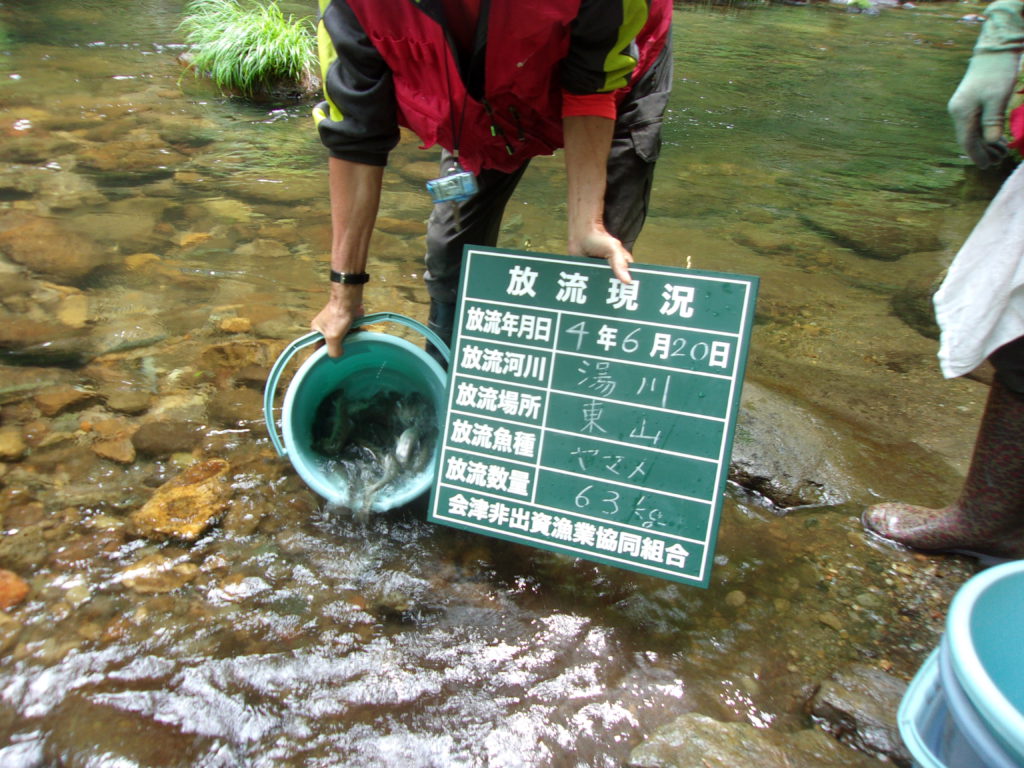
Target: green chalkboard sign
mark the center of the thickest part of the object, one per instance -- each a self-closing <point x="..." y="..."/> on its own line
<point x="591" y="417"/>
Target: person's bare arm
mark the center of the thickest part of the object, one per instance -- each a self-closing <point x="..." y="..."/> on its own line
<point x="588" y="140"/>
<point x="355" y="198"/>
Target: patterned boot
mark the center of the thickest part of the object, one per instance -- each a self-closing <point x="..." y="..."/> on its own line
<point x="987" y="521"/>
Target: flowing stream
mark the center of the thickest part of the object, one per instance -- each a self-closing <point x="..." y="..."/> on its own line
<point x="161" y="243"/>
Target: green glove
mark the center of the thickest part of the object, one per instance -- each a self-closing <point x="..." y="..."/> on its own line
<point x="978" y="107"/>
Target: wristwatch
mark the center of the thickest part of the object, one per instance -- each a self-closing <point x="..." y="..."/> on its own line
<point x="349" y="278"/>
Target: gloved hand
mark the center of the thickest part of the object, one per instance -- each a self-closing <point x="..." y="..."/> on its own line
<point x="978" y="107"/>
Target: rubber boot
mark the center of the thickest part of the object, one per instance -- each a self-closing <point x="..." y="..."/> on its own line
<point x="441" y="321"/>
<point x="987" y="521"/>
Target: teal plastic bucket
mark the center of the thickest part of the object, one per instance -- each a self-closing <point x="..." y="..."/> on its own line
<point x="964" y="706"/>
<point x="985" y="633"/>
<point x="372" y="364"/>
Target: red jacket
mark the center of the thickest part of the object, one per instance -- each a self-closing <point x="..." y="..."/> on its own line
<point x="501" y="104"/>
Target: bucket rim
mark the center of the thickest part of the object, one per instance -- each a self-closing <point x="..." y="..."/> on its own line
<point x="999" y="712"/>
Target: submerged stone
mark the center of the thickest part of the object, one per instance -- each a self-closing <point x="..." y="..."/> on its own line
<point x="185" y="506"/>
<point x="12" y="444"/>
<point x="13" y="589"/>
<point x="119" y="449"/>
<point x="49" y="249"/>
<point x="781" y="450"/>
<point x="698" y="740"/>
<point x="236" y="407"/>
<point x="53" y="401"/>
<point x="157" y="574"/>
<point x="164" y="437"/>
<point x="863" y="233"/>
<point x="858" y="706"/>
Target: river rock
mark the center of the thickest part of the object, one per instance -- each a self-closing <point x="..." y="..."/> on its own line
<point x="913" y="304"/>
<point x="262" y="249"/>
<point x="13" y="589"/>
<point x="245" y="514"/>
<point x="864" y="233"/>
<point x="697" y="740"/>
<point x="131" y="230"/>
<point x="12" y="444"/>
<point x="14" y="185"/>
<point x="29" y="342"/>
<point x="80" y="550"/>
<point x="252" y="376"/>
<point x="64" y="190"/>
<point x="118" y="449"/>
<point x="233" y="355"/>
<point x="20" y="510"/>
<point x="55" y="190"/>
<point x="156" y="574"/>
<point x="858" y="705"/>
<point x="784" y="452"/>
<point x="34" y="149"/>
<point x="49" y="249"/>
<point x="16" y="380"/>
<point x="55" y="400"/>
<point x="138" y="160"/>
<point x="10" y="628"/>
<point x="420" y="171"/>
<point x="403" y="227"/>
<point x="23" y="549"/>
<point x="159" y="439"/>
<point x="185" y="506"/>
<point x="236" y="407"/>
<point x="286" y="189"/>
<point x="73" y="310"/>
<point x="125" y="400"/>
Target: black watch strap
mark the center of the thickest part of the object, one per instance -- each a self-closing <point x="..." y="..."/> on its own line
<point x="349" y="278"/>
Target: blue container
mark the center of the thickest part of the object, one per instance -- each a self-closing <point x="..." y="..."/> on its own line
<point x="372" y="363"/>
<point x="964" y="706"/>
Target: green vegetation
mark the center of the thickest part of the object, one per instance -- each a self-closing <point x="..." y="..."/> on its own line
<point x="252" y="48"/>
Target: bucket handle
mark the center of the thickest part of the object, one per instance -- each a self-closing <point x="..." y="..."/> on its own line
<point x="270" y="391"/>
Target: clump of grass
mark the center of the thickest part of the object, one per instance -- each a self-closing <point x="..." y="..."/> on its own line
<point x="249" y="48"/>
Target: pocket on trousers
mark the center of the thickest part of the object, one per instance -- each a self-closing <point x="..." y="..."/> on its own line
<point x="647" y="139"/>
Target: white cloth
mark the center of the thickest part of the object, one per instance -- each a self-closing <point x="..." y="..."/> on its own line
<point x="980" y="304"/>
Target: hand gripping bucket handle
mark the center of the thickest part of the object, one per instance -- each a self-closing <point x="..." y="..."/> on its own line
<point x="270" y="392"/>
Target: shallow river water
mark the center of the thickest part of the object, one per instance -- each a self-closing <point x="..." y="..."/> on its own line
<point x="159" y="246"/>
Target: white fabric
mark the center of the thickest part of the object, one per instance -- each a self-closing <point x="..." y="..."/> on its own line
<point x="980" y="304"/>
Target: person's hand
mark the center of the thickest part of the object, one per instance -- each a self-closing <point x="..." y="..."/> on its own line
<point x="599" y="244"/>
<point x="344" y="307"/>
<point x="978" y="106"/>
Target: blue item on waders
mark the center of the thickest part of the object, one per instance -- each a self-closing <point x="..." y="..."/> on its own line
<point x="965" y="706"/>
<point x="372" y="364"/>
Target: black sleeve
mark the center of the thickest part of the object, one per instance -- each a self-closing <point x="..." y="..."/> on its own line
<point x="358" y="121"/>
<point x="603" y="50"/>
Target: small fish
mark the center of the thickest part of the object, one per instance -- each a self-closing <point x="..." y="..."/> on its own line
<point x="358" y="443"/>
<point x="405" y="445"/>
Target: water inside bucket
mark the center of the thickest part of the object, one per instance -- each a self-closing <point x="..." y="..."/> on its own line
<point x="373" y="444"/>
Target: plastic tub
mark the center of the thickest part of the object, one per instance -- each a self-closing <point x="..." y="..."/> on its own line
<point x="963" y="707"/>
<point x="927" y="727"/>
<point x="985" y="634"/>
